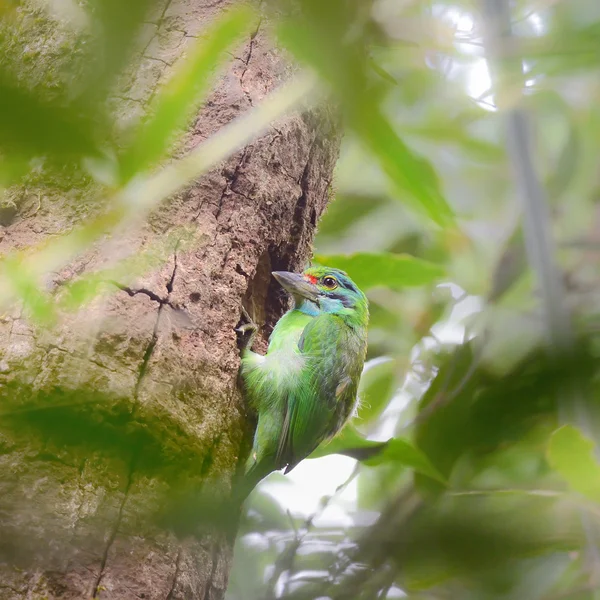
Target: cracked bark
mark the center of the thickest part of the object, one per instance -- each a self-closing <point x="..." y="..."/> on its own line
<point x="126" y="405"/>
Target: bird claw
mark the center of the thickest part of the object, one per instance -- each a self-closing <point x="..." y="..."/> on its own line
<point x="245" y="328"/>
<point x="248" y="329"/>
<point x="249" y="325"/>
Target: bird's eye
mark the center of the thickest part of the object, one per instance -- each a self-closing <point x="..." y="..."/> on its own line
<point x="330" y="282"/>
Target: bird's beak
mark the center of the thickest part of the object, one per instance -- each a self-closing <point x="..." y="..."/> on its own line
<point x="296" y="285"/>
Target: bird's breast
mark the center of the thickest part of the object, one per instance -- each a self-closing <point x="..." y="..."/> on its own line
<point x="286" y="362"/>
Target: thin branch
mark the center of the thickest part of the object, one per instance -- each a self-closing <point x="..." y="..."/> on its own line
<point x="285" y="563"/>
<point x="539" y="245"/>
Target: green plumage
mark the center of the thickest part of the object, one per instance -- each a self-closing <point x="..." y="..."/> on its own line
<point x="305" y="387"/>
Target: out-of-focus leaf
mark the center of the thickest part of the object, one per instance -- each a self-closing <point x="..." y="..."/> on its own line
<point x="571" y="454"/>
<point x="321" y="41"/>
<point x="377" y="384"/>
<point x="115" y="25"/>
<point x="382" y="72"/>
<point x="32" y="125"/>
<point x="345" y="212"/>
<point x="402" y="451"/>
<point x="382" y="316"/>
<point x="412" y="175"/>
<point x="266" y="513"/>
<point x="175" y="103"/>
<point x="446" y="132"/>
<point x="566" y="165"/>
<point x="12" y="169"/>
<point x="347" y="439"/>
<point x="571" y="47"/>
<point x="349" y="442"/>
<point x="469" y="540"/>
<point x="376" y="485"/>
<point x="38" y="304"/>
<point x="392" y="270"/>
<point x="510" y="266"/>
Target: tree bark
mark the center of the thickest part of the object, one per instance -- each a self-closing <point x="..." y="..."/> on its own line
<point x="132" y="402"/>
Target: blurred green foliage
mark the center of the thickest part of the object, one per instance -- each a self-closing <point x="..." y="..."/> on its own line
<point x="467" y="482"/>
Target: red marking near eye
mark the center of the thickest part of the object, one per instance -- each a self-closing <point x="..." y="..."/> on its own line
<point x="311" y="278"/>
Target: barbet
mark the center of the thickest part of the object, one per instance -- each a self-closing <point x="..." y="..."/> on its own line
<point x="305" y="388"/>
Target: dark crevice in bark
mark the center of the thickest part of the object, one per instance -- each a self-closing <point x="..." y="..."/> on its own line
<point x="164" y="11"/>
<point x="247" y="62"/>
<point x="128" y="99"/>
<point x="134" y="292"/>
<point x="175" y="576"/>
<point x="232" y="55"/>
<point x="213" y="569"/>
<point x="209" y="457"/>
<point x="239" y="269"/>
<point x="299" y="221"/>
<point x="147" y="355"/>
<point x="281" y="256"/>
<point x="138" y="446"/>
<point x="158" y="23"/>
<point x="115" y="530"/>
<point x="154" y="339"/>
<point x="143" y="51"/>
<point x="160" y="60"/>
<point x="160" y="300"/>
<point x="230" y="181"/>
<point x="171" y="281"/>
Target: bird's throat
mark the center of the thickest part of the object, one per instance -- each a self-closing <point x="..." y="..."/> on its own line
<point x="307" y="307"/>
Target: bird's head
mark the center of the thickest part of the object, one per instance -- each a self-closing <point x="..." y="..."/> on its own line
<point x="324" y="290"/>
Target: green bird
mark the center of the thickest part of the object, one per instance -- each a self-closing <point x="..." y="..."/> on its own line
<point x="305" y="388"/>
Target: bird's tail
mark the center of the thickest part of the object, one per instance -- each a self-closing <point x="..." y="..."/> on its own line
<point x="254" y="473"/>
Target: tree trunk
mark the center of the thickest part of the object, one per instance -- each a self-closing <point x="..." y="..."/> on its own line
<point x="114" y="414"/>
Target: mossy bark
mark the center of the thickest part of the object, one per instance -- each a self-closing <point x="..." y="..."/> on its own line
<point x="117" y="419"/>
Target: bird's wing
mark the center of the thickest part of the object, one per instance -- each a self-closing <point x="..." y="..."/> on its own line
<point x="313" y="407"/>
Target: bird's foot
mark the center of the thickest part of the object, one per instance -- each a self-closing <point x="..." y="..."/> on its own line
<point x="246" y="331"/>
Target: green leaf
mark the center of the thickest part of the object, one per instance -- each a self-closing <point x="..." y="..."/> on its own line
<point x="349" y="442"/>
<point x="393" y="270"/>
<point x="321" y="42"/>
<point x="12" y="169"/>
<point x="383" y="73"/>
<point x="347" y="439"/>
<point x="35" y="301"/>
<point x="346" y="211"/>
<point x="377" y="384"/>
<point x="116" y="25"/>
<point x="179" y="98"/>
<point x="267" y="513"/>
<point x="456" y="134"/>
<point x="413" y="176"/>
<point x="402" y="451"/>
<point x="31" y="124"/>
<point x="571" y="454"/>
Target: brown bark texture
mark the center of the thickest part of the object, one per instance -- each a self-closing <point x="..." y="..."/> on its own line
<point x="132" y="401"/>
